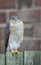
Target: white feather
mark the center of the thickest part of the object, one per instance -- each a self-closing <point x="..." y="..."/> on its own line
<point x="16" y="34"/>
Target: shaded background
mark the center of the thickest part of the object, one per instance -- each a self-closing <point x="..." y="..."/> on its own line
<point x="29" y="12"/>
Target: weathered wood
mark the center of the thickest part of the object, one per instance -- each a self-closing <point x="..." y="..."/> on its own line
<point x="32" y="58"/>
<point x="2" y="59"/>
<point x="40" y="57"/>
<point x="24" y="58"/>
<point x="14" y="60"/>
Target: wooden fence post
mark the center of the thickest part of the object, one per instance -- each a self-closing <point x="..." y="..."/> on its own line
<point x="2" y="59"/>
<point x="14" y="60"/>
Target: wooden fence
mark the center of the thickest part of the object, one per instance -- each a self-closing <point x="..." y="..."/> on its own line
<point x="24" y="58"/>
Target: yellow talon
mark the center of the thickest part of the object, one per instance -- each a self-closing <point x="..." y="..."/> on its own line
<point x="16" y="52"/>
<point x="12" y="52"/>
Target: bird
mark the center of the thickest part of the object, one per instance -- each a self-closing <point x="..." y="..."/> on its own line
<point x="14" y="33"/>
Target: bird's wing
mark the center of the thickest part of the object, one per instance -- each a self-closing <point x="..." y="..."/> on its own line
<point x="6" y="34"/>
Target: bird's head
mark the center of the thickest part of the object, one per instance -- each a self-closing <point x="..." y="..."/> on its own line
<point x="14" y="19"/>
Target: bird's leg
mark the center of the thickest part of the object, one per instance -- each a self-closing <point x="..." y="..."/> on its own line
<point x="16" y="52"/>
<point x="12" y="52"/>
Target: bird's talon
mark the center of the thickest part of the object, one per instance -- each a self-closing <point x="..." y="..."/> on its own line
<point x="12" y="52"/>
<point x="16" y="53"/>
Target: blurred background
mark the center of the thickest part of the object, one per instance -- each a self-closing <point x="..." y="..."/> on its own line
<point x="29" y="12"/>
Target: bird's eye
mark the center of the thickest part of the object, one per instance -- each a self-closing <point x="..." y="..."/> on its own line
<point x="13" y="18"/>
